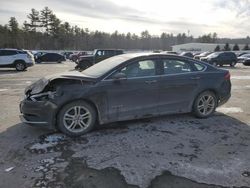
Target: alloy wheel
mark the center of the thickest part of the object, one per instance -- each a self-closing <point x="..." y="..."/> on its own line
<point x="206" y="104"/>
<point x="20" y="66"/>
<point x="77" y="118"/>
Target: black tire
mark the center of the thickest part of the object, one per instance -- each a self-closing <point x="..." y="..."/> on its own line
<point x="20" y="66"/>
<point x="68" y="116"/>
<point x="59" y="61"/>
<point x="38" y="61"/>
<point x="210" y="108"/>
<point x="232" y="64"/>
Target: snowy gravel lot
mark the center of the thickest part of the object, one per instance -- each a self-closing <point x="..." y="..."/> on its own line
<point x="168" y="151"/>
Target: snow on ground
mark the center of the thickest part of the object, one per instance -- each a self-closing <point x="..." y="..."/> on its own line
<point x="228" y="110"/>
<point x="241" y="77"/>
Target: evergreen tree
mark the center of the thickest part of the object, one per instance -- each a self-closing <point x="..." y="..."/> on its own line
<point x="246" y="47"/>
<point x="227" y="47"/>
<point x="214" y="37"/>
<point x="217" y="48"/>
<point x="45" y="17"/>
<point x="34" y="20"/>
<point x="26" y="27"/>
<point x="54" y="25"/>
<point x="14" y="33"/>
<point x="236" y="47"/>
<point x="13" y="25"/>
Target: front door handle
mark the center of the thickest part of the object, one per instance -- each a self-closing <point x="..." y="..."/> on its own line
<point x="195" y="78"/>
<point x="150" y="81"/>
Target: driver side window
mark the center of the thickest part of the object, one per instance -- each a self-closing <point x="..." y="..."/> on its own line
<point x="142" y="68"/>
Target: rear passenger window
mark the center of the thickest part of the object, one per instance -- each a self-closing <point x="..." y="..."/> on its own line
<point x="172" y="66"/>
<point x="199" y="67"/>
<point x="8" y="52"/>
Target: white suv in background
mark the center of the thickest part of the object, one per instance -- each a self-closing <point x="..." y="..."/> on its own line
<point x="13" y="58"/>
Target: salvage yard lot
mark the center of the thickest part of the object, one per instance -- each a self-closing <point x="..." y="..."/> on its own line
<point x="144" y="153"/>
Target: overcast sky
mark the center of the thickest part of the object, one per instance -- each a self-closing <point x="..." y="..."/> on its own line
<point x="229" y="18"/>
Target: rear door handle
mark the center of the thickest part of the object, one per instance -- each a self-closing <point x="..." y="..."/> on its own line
<point x="150" y="81"/>
<point x="195" y="78"/>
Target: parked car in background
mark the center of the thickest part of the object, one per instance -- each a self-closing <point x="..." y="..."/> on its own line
<point x="38" y="54"/>
<point x="13" y="58"/>
<point x="125" y="87"/>
<point x="50" y="57"/>
<point x="169" y="52"/>
<point x="98" y="55"/>
<point x="204" y="54"/>
<point x="187" y="54"/>
<point x="242" y="53"/>
<point x="67" y="54"/>
<point x="221" y="58"/>
<point x="196" y="53"/>
<point x="75" y="56"/>
<point x="244" y="59"/>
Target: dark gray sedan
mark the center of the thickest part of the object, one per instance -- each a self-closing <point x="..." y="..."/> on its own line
<point x="124" y="87"/>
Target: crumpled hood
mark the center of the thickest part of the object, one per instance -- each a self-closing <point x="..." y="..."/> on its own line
<point x="40" y="84"/>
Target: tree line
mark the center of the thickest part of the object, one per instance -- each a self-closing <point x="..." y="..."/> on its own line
<point x="45" y="31"/>
<point x="228" y="48"/>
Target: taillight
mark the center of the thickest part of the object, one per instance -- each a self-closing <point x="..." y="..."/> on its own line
<point x="227" y="76"/>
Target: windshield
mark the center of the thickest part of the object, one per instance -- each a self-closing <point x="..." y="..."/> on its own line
<point x="104" y="66"/>
<point x="213" y="55"/>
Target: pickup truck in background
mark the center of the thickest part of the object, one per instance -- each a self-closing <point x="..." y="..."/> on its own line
<point x="98" y="55"/>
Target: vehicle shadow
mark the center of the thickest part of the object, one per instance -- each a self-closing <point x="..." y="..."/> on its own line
<point x="211" y="151"/>
<point x="10" y="71"/>
<point x="46" y="63"/>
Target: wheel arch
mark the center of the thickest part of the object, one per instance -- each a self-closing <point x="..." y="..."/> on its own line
<point x="19" y="61"/>
<point x="204" y="90"/>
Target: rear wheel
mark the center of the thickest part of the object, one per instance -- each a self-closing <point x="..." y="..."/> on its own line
<point x="38" y="61"/>
<point x="76" y="118"/>
<point x="205" y="104"/>
<point x="232" y="64"/>
<point x="20" y="66"/>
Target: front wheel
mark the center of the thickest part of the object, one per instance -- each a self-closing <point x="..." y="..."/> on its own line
<point x="20" y="66"/>
<point x="205" y="104"/>
<point x="76" y="118"/>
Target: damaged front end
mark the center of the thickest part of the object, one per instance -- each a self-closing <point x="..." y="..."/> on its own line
<point x="35" y="92"/>
<point x="37" y="107"/>
<point x="43" y="97"/>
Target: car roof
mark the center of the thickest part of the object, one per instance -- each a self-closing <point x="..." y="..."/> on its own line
<point x="110" y="49"/>
<point x="150" y="54"/>
<point x="10" y="49"/>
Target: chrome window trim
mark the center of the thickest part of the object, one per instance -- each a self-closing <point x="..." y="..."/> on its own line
<point x="160" y="75"/>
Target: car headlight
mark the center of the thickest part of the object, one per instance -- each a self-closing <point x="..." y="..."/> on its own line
<point x="37" y="86"/>
<point x="43" y="96"/>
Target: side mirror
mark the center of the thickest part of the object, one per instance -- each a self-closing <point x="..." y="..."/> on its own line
<point x="119" y="76"/>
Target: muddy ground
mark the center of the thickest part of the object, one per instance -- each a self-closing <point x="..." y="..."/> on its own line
<point x="168" y="151"/>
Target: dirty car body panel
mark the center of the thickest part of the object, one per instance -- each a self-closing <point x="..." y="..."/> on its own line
<point x="156" y="89"/>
